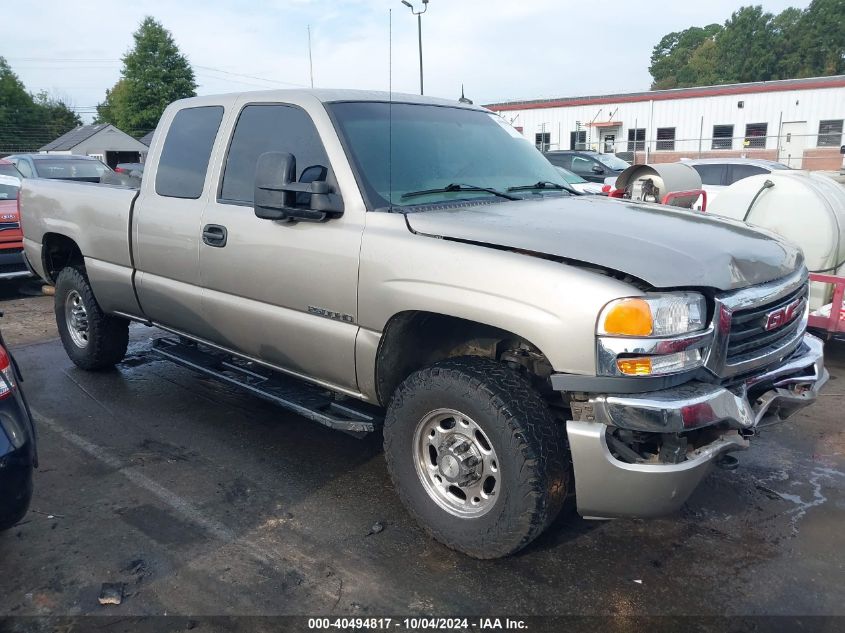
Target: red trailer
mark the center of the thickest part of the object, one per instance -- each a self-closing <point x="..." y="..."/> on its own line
<point x="833" y="325"/>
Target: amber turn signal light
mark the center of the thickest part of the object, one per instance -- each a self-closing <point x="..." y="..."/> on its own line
<point x="628" y="317"/>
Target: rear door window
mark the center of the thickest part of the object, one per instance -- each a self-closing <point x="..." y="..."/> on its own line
<point x="711" y="174"/>
<point x="271" y="128"/>
<point x="738" y="172"/>
<point x="187" y="149"/>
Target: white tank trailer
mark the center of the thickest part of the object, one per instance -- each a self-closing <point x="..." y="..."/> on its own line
<point x="807" y="208"/>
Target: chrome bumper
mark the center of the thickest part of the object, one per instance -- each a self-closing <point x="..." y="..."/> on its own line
<point x="607" y="487"/>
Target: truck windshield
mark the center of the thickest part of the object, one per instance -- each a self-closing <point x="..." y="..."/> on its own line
<point x="401" y="148"/>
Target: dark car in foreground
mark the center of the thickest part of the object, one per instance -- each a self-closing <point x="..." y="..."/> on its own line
<point x="591" y="166"/>
<point x="18" y="455"/>
<point x="73" y="167"/>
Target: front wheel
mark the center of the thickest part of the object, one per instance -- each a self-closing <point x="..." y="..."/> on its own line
<point x="476" y="456"/>
<point x="92" y="339"/>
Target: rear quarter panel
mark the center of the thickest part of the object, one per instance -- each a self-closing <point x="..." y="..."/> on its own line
<point x="97" y="218"/>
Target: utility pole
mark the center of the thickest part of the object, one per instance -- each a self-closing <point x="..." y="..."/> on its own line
<point x="419" y="32"/>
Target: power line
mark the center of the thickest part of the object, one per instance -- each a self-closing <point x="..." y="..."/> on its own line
<point x="103" y="60"/>
<point x="227" y="72"/>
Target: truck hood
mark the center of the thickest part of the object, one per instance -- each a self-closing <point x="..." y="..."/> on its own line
<point x="663" y="246"/>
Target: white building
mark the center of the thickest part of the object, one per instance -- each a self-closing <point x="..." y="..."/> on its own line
<point x="796" y="121"/>
<point x="103" y="141"/>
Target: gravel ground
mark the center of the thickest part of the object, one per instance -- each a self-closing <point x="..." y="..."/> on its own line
<point x="27" y="313"/>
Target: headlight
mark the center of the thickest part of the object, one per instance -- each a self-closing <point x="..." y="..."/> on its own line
<point x="666" y="314"/>
<point x="653" y="335"/>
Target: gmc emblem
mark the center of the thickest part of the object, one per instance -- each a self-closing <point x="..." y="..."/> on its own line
<point x="782" y="316"/>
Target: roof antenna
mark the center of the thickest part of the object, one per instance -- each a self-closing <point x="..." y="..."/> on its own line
<point x="310" y="62"/>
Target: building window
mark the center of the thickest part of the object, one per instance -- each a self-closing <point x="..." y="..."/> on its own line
<point x="755" y="135"/>
<point x="723" y="136"/>
<point x="578" y="139"/>
<point x="666" y="139"/>
<point x="542" y="141"/>
<point x="636" y="139"/>
<point x="830" y="133"/>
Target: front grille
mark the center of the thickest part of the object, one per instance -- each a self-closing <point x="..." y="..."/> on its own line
<point x="749" y="338"/>
<point x="757" y="326"/>
<point x="9" y="226"/>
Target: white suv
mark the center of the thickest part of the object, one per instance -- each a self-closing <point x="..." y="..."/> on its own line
<point x="718" y="173"/>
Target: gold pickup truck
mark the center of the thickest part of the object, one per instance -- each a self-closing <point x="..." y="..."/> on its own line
<point x="410" y="265"/>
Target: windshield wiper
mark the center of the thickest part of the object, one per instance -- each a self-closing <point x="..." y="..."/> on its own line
<point x="545" y="184"/>
<point x="457" y="187"/>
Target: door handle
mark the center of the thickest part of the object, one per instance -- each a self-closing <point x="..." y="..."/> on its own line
<point x="214" y="235"/>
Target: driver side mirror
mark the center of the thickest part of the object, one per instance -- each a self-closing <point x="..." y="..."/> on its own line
<point x="279" y="197"/>
<point x="598" y="169"/>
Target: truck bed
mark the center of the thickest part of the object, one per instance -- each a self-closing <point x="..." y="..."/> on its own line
<point x="95" y="216"/>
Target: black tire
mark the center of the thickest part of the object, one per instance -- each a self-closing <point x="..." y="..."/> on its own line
<point x="528" y="442"/>
<point x="107" y="336"/>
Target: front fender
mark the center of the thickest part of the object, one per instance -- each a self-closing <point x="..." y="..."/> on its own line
<point x="551" y="304"/>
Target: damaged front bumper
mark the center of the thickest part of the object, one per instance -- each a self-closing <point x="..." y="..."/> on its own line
<point x="608" y="487"/>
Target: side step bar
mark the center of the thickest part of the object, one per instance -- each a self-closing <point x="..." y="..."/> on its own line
<point x="309" y="401"/>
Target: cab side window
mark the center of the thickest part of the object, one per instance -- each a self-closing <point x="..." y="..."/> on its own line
<point x="187" y="149"/>
<point x="271" y="128"/>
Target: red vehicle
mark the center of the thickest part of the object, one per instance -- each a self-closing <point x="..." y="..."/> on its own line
<point x="831" y="325"/>
<point x="11" y="237"/>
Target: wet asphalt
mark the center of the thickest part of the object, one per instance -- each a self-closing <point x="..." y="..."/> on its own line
<point x="204" y="500"/>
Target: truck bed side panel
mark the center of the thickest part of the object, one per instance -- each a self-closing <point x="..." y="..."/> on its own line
<point x="97" y="218"/>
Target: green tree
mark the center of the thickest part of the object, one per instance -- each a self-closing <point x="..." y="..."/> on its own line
<point x="787" y="42"/>
<point x="154" y="74"/>
<point x="27" y="122"/>
<point x="744" y="49"/>
<point x="671" y="57"/>
<point x="19" y="117"/>
<point x="821" y="39"/>
<point x="57" y="117"/>
<point x="113" y="108"/>
<point x="754" y="45"/>
<point x="702" y="69"/>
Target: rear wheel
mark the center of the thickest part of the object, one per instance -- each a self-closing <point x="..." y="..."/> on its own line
<point x="92" y="339"/>
<point x="476" y="456"/>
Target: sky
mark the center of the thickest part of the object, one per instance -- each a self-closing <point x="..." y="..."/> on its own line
<point x="498" y="49"/>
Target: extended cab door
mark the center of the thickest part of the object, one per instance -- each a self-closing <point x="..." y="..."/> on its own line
<point x="282" y="292"/>
<point x="167" y="221"/>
